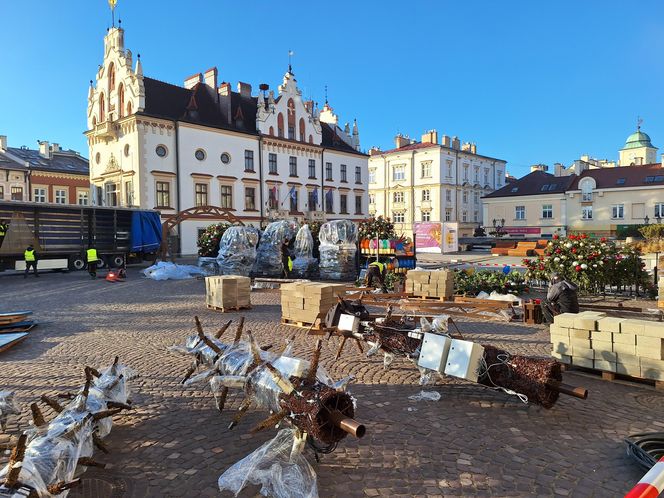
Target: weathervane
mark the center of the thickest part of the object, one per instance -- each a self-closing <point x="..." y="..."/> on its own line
<point x="638" y="123"/>
<point x="111" y="4"/>
<point x="290" y="55"/>
<point x="325" y="94"/>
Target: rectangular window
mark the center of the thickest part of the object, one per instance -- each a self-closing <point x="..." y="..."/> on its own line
<point x="449" y="168"/>
<point x="398" y="217"/>
<point x="464" y="216"/>
<point x="311" y="201"/>
<point x="39" y="194"/>
<point x="398" y="173"/>
<point x="226" y="196"/>
<point x="201" y="194"/>
<point x="618" y="211"/>
<point x="248" y="160"/>
<point x="163" y="194"/>
<point x="476" y="216"/>
<point x="17" y="193"/>
<point x="372" y="176"/>
<point x="465" y="172"/>
<point x="659" y="209"/>
<point x="60" y="196"/>
<point x="448" y="196"/>
<point x="312" y="169"/>
<point x="111" y="194"/>
<point x="372" y="198"/>
<point x="2" y="192"/>
<point x="476" y="197"/>
<point x="397" y="196"/>
<point x="547" y="211"/>
<point x="426" y="169"/>
<point x="464" y="197"/>
<point x="499" y="178"/>
<point x="477" y="174"/>
<point x="520" y="212"/>
<point x="587" y="212"/>
<point x="82" y="198"/>
<point x="292" y="164"/>
<point x="587" y="196"/>
<point x="448" y="215"/>
<point x="426" y="195"/>
<point x="273" y="198"/>
<point x="272" y="162"/>
<point x="291" y="132"/>
<point x="328" y="171"/>
<point x="486" y="177"/>
<point x="343" y="173"/>
<point x="343" y="203"/>
<point x="426" y="215"/>
<point x="358" y="174"/>
<point x="358" y="204"/>
<point x="129" y="193"/>
<point x="294" y="200"/>
<point x="329" y="202"/>
<point x="249" y="199"/>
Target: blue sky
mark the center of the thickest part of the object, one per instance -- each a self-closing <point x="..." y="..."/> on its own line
<point x="527" y="81"/>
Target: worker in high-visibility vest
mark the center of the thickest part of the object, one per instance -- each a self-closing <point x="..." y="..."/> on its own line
<point x="30" y="257"/>
<point x="377" y="270"/>
<point x="92" y="259"/>
<point x="286" y="260"/>
<point x="3" y="230"/>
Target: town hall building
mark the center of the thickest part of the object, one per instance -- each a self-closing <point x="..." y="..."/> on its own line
<point x="263" y="155"/>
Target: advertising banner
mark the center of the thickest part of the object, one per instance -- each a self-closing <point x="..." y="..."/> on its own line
<point x="450" y="237"/>
<point x="522" y="230"/>
<point x="428" y="237"/>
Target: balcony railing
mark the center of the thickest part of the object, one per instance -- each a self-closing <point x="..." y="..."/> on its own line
<point x="105" y="129"/>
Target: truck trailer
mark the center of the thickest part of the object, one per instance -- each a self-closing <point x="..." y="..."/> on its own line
<point x="61" y="234"/>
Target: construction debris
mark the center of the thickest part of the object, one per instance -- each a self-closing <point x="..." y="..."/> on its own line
<point x="7" y="407"/>
<point x="48" y="458"/>
<point x="292" y="389"/>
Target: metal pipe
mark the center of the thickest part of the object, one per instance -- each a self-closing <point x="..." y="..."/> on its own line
<point x="347" y="424"/>
<point x="576" y="392"/>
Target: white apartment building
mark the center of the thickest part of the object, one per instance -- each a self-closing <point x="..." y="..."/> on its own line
<point x="264" y="156"/>
<point x="430" y="181"/>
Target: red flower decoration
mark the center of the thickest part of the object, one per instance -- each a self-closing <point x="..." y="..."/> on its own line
<point x="574" y="250"/>
<point x="556" y="237"/>
<point x="577" y="267"/>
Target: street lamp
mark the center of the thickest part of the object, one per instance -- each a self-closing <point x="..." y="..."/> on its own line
<point x="646" y="220"/>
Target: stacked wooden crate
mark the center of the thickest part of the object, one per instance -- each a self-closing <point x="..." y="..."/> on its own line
<point x="436" y="283"/>
<point x="228" y="292"/>
<point x="303" y="302"/>
<point x="620" y="345"/>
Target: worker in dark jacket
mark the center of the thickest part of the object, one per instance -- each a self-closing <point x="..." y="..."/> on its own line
<point x="562" y="297"/>
<point x="92" y="259"/>
<point x="30" y="257"/>
<point x="286" y="260"/>
<point x="376" y="271"/>
<point x="3" y="230"/>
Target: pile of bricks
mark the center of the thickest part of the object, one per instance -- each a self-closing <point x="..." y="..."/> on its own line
<point x="228" y="292"/>
<point x="306" y="301"/>
<point x="437" y="283"/>
<point x="621" y="345"/>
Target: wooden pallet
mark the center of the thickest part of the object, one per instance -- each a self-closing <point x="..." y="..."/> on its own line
<point x="226" y="310"/>
<point x="431" y="298"/>
<point x="612" y="376"/>
<point x="316" y="325"/>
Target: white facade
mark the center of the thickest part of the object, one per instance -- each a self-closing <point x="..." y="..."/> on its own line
<point x="427" y="181"/>
<point x="210" y="153"/>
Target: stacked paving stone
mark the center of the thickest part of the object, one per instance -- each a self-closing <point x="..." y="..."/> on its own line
<point x="437" y="283"/>
<point x="626" y="346"/>
<point x="306" y="301"/>
<point x="228" y="292"/>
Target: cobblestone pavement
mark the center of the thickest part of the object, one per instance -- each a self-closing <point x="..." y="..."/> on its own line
<point x="473" y="442"/>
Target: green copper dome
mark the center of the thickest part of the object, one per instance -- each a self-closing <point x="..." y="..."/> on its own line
<point x="637" y="139"/>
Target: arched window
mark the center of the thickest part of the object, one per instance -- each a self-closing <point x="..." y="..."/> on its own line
<point x="291" y="119"/>
<point x="302" y="135"/>
<point x="280" y="125"/>
<point x="102" y="108"/>
<point x="94" y="121"/>
<point x="111" y="77"/>
<point x="271" y="131"/>
<point x="121" y="100"/>
<point x="587" y="190"/>
<point x="129" y="108"/>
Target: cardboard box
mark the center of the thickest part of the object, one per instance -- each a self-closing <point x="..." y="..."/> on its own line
<point x="580" y="343"/>
<point x="628" y="369"/>
<point x="583" y="353"/>
<point x="579" y="334"/>
<point x="564" y="320"/>
<point x="558" y="330"/>
<point x="609" y="324"/>
<point x="628" y="359"/>
<point x="587" y="321"/>
<point x="227" y="291"/>
<point x="606" y="366"/>
<point x="602" y="345"/>
<point x="628" y="349"/>
<point x="645" y="352"/>
<point x="601" y="336"/>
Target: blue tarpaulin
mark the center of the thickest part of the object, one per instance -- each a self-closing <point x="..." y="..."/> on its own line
<point x="145" y="231"/>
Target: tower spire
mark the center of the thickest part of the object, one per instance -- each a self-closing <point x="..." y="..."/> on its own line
<point x="112" y="4"/>
<point x="290" y="55"/>
<point x="638" y="123"/>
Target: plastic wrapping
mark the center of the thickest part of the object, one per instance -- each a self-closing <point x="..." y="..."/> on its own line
<point x="237" y="251"/>
<point x="279" y="471"/>
<point x="165" y="270"/>
<point x="425" y="396"/>
<point x="7" y="407"/>
<point x="53" y="450"/>
<point x="338" y="245"/>
<point x="209" y="265"/>
<point x="269" y="258"/>
<point x="304" y="264"/>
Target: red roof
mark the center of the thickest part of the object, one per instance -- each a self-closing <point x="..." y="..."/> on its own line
<point x="647" y="175"/>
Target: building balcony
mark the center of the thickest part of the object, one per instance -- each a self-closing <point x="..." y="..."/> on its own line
<point x="105" y="130"/>
<point x="425" y="205"/>
<point x="398" y="205"/>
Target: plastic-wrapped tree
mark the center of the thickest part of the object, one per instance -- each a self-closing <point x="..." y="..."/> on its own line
<point x="304" y="264"/>
<point x="338" y="245"/>
<point x="237" y="251"/>
<point x="268" y="258"/>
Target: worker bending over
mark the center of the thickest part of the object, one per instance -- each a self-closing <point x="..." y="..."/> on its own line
<point x="92" y="258"/>
<point x="30" y="257"/>
<point x="562" y="297"/>
<point x="376" y="270"/>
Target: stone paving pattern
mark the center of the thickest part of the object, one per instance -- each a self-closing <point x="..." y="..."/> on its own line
<point x="473" y="442"/>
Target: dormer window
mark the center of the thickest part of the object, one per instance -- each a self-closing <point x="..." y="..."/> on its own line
<point x="514" y="189"/>
<point x="587" y="190"/>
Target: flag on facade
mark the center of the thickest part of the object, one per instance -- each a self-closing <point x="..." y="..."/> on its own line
<point x="292" y="193"/>
<point x="328" y="197"/>
<point x="314" y="196"/>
